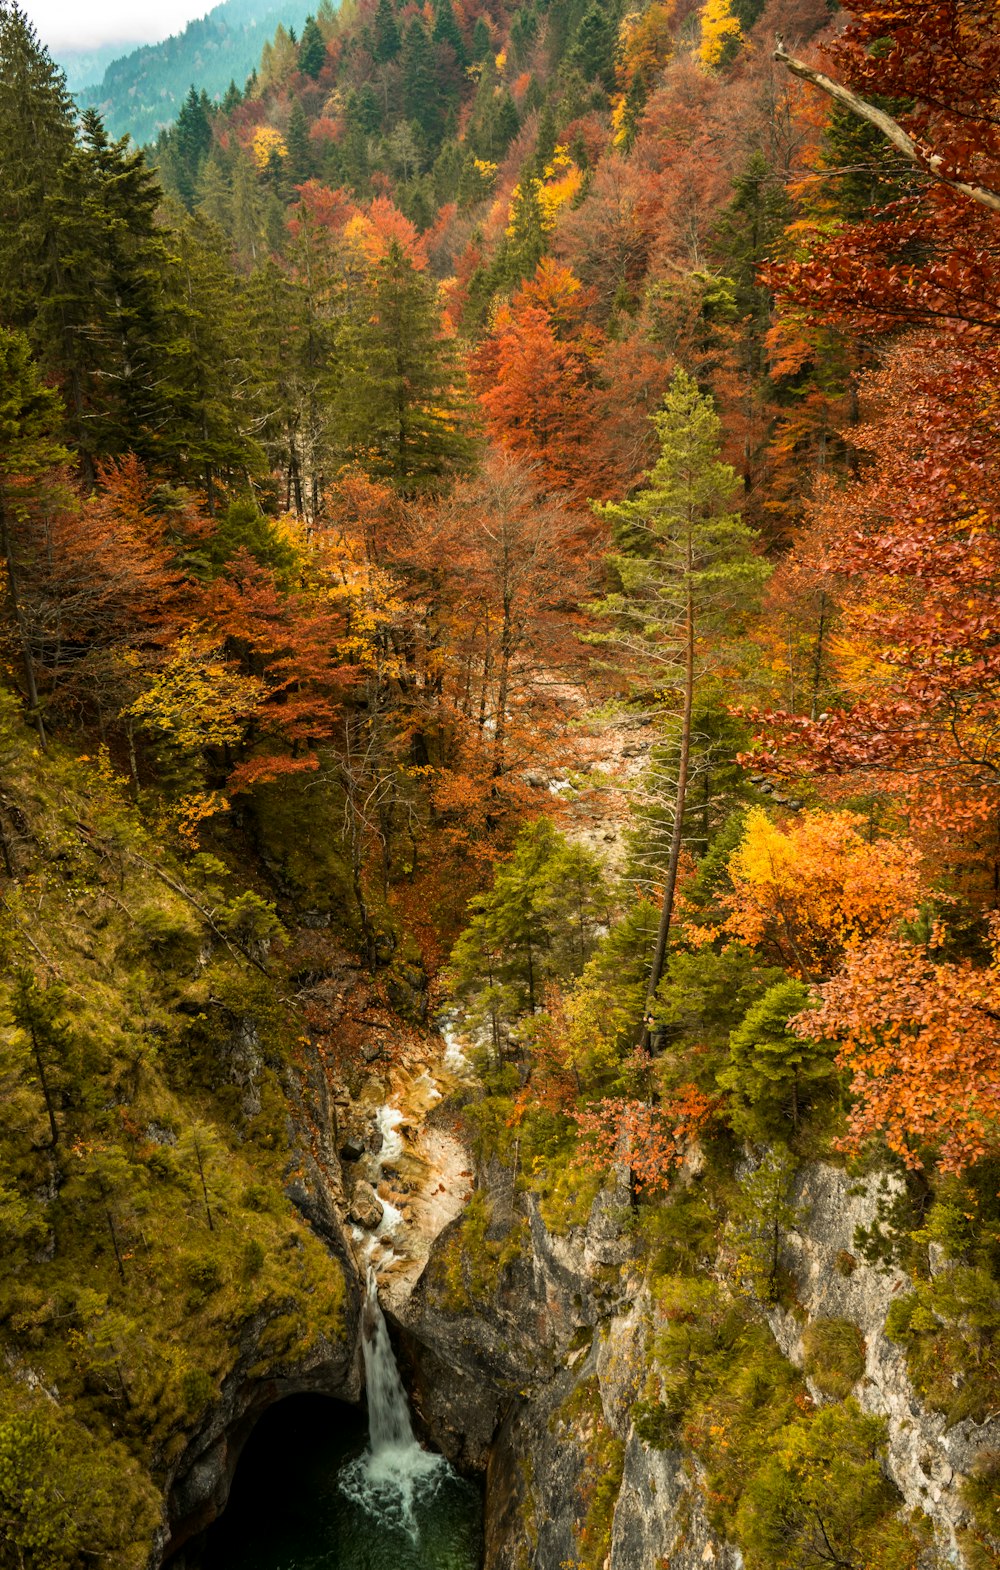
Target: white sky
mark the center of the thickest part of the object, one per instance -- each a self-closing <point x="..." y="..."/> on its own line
<point x="70" y="24"/>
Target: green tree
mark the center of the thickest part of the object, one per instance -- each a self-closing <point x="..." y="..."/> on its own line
<point x="594" y="46"/>
<point x="29" y="418"/>
<point x="386" y="42"/>
<point x="312" y="49"/>
<point x="206" y="376"/>
<point x="398" y="406"/>
<point x="773" y="1074"/>
<point x="823" y="1498"/>
<point x="705" y="994"/>
<point x="687" y="572"/>
<point x="759" y="1218"/>
<point x="446" y="31"/>
<point x="190" y="141"/>
<point x="40" y="1013"/>
<point x="538" y="923"/>
<point x="300" y="164"/>
<point x="422" y="98"/>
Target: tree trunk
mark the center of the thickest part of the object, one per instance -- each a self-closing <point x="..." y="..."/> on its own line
<point x="676" y="838"/>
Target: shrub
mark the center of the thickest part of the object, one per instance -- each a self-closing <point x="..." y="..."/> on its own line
<point x="834" y="1355"/>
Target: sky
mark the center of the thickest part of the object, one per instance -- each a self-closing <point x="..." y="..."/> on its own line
<point x="68" y="24"/>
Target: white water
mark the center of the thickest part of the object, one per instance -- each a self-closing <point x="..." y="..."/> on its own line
<point x="394" y="1473"/>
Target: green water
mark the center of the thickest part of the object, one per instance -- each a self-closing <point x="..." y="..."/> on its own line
<point x="286" y="1510"/>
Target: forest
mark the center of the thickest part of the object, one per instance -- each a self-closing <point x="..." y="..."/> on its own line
<point x="477" y="386"/>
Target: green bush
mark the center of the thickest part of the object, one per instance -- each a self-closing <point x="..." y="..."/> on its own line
<point x="834" y="1355"/>
<point x="823" y="1497"/>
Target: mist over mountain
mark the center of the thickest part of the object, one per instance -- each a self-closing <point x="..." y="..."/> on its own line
<point x="142" y="91"/>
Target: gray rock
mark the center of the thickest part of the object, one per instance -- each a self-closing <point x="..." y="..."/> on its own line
<point x="366" y="1209"/>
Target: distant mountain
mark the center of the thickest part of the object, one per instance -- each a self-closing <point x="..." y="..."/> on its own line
<point x="143" y="91"/>
<point x="83" y="66"/>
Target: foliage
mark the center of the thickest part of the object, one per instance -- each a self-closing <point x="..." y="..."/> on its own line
<point x="817" y="888"/>
<point x="538" y="924"/>
<point x="920" y="1041"/>
<point x="834" y="1355"/>
<point x="824" y="1496"/>
<point x="775" y="1073"/>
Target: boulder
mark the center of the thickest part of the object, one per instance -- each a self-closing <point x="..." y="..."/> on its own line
<point x="366" y="1209"/>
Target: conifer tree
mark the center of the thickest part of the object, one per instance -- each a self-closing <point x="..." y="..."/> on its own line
<point x="299" y="160"/>
<point x="312" y="49"/>
<point x="593" y="49"/>
<point x="686" y="568"/>
<point x="397" y="406"/>
<point x="29" y="419"/>
<point x="446" y="31"/>
<point x="190" y="141"/>
<point x="386" y="43"/>
<point x="422" y="101"/>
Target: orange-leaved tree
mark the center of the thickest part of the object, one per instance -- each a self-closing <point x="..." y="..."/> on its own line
<point x="818" y="888"/>
<point x="921" y="1038"/>
<point x="650" y="1140"/>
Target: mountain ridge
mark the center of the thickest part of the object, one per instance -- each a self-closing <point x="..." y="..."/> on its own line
<point x="142" y="90"/>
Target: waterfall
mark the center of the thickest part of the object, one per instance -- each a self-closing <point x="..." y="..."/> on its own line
<point x="389" y="1425"/>
<point x="389" y="1480"/>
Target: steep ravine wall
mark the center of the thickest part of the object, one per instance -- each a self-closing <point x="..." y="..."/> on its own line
<point x="535" y="1379"/>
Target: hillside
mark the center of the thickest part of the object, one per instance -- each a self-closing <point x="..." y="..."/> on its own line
<point x="140" y="92"/>
<point x="501" y="519"/>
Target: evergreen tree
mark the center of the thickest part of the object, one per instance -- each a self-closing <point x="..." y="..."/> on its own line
<point x="593" y="49"/>
<point x="299" y="161"/>
<point x="422" y="102"/>
<point x="540" y="922"/>
<point x="398" y="409"/>
<point x="482" y="40"/>
<point x="446" y="31"/>
<point x="207" y="441"/>
<point x="43" y="242"/>
<point x="772" y="1072"/>
<point x="312" y="49"/>
<point x="190" y="141"/>
<point x="686" y="569"/>
<point x="386" y="42"/>
<point x="128" y="336"/>
<point x="29" y="448"/>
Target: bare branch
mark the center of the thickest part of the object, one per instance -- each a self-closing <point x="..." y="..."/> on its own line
<point x="928" y="163"/>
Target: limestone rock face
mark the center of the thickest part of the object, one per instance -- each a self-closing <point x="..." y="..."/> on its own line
<point x="535" y="1377"/>
<point x="927" y="1459"/>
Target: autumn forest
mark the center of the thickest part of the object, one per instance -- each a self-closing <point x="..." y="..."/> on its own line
<point x="500" y="519"/>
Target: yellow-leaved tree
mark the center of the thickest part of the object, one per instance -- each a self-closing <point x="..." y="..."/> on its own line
<point x="721" y="34"/>
<point x="819" y="887"/>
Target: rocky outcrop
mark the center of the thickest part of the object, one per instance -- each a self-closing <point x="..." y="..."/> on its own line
<point x="199" y="1483"/>
<point x="535" y="1378"/>
<point x="927" y="1459"/>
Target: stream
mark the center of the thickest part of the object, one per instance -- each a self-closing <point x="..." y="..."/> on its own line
<point x="312" y="1492"/>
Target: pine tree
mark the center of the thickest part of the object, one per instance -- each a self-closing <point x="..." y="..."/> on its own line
<point x="593" y="49"/>
<point x="29" y="448"/>
<point x="398" y="411"/>
<point x="207" y="440"/>
<point x="422" y="101"/>
<point x="386" y="44"/>
<point x="687" y="570"/>
<point x="129" y="332"/>
<point x="312" y="49"/>
<point x="446" y="31"/>
<point x="40" y="291"/>
<point x="190" y="141"/>
<point x="300" y="163"/>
